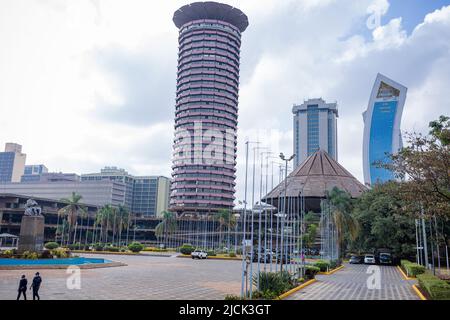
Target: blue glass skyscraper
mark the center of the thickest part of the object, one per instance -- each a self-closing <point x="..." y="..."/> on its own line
<point x="382" y="134"/>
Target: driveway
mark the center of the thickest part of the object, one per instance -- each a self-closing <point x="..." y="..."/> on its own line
<point x="350" y="283"/>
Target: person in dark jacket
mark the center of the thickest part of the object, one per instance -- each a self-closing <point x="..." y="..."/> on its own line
<point x="23" y="288"/>
<point x="35" y="285"/>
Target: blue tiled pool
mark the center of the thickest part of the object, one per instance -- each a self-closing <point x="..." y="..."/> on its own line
<point x="65" y="261"/>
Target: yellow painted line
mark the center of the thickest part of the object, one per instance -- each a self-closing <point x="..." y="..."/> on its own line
<point x="405" y="277"/>
<point x="332" y="271"/>
<point x="419" y="294"/>
<point x="288" y="293"/>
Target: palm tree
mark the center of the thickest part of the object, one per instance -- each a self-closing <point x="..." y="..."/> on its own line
<point x="339" y="203"/>
<point x="123" y="220"/>
<point x="226" y="219"/>
<point x="72" y="210"/>
<point x="104" y="218"/>
<point x="167" y="226"/>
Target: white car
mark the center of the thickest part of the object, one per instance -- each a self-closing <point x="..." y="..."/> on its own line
<point x="199" y="254"/>
<point x="369" y="259"/>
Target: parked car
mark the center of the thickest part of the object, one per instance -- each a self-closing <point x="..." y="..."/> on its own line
<point x="264" y="256"/>
<point x="385" y="258"/>
<point x="279" y="259"/>
<point x="369" y="259"/>
<point x="354" y="259"/>
<point x="199" y="254"/>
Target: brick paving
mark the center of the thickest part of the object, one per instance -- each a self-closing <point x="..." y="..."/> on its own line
<point x="350" y="283"/>
<point x="144" y="277"/>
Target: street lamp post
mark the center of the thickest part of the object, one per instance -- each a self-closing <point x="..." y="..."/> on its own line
<point x="244" y="284"/>
<point x="286" y="160"/>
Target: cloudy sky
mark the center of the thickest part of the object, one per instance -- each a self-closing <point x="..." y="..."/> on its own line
<point x="84" y="84"/>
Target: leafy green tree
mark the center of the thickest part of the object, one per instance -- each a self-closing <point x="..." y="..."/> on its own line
<point x="309" y="238"/>
<point x="424" y="166"/>
<point x="382" y="222"/>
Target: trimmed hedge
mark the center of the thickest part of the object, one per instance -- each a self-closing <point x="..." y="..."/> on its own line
<point x="186" y="249"/>
<point x="311" y="271"/>
<point x="436" y="288"/>
<point x="135" y="247"/>
<point x="111" y="249"/>
<point x="51" y="245"/>
<point x="211" y="253"/>
<point x="322" y="265"/>
<point x="412" y="269"/>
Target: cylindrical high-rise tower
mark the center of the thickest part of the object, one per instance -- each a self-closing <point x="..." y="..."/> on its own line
<point x="204" y="153"/>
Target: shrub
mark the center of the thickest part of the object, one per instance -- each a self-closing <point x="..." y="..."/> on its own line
<point x="311" y="271"/>
<point x="186" y="249"/>
<point x="60" y="253"/>
<point x="436" y="288"/>
<point x="51" y="245"/>
<point x="8" y="253"/>
<point x="265" y="295"/>
<point x="232" y="255"/>
<point x="322" y="265"/>
<point x="29" y="255"/>
<point x="232" y="297"/>
<point x="153" y="249"/>
<point x="334" y="264"/>
<point x="271" y="282"/>
<point x="211" y="253"/>
<point x="46" y="254"/>
<point x="412" y="269"/>
<point x="98" y="247"/>
<point x="74" y="246"/>
<point x="112" y="249"/>
<point x="135" y="247"/>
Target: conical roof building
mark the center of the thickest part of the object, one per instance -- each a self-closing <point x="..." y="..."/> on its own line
<point x="310" y="181"/>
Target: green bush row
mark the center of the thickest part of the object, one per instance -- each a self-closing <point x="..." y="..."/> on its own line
<point x="412" y="269"/>
<point x="436" y="288"/>
<point x="322" y="265"/>
<point x="272" y="284"/>
<point x="186" y="248"/>
<point x="311" y="271"/>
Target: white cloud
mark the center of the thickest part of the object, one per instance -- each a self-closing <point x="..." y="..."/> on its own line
<point x="63" y="64"/>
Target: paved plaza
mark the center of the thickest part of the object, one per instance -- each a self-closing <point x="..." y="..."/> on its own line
<point x="171" y="278"/>
<point x="144" y="277"/>
<point x="350" y="283"/>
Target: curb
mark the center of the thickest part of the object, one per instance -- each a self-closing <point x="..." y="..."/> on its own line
<point x="212" y="257"/>
<point x="288" y="293"/>
<point x="64" y="266"/>
<point x="405" y="277"/>
<point x="332" y="271"/>
<point x="106" y="252"/>
<point x="419" y="294"/>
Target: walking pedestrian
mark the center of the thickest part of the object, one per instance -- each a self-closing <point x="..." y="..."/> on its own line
<point x="35" y="285"/>
<point x="22" y="288"/>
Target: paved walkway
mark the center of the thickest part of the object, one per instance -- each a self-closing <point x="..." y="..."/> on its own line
<point x="350" y="283"/>
<point x="144" y="277"/>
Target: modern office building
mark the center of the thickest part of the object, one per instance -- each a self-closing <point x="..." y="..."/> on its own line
<point x="12" y="206"/>
<point x="50" y="177"/>
<point x="33" y="172"/>
<point x="35" y="169"/>
<point x="382" y="134"/>
<point x="315" y="128"/>
<point x="144" y="195"/>
<point x="206" y="111"/>
<point x="12" y="163"/>
<point x="93" y="192"/>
